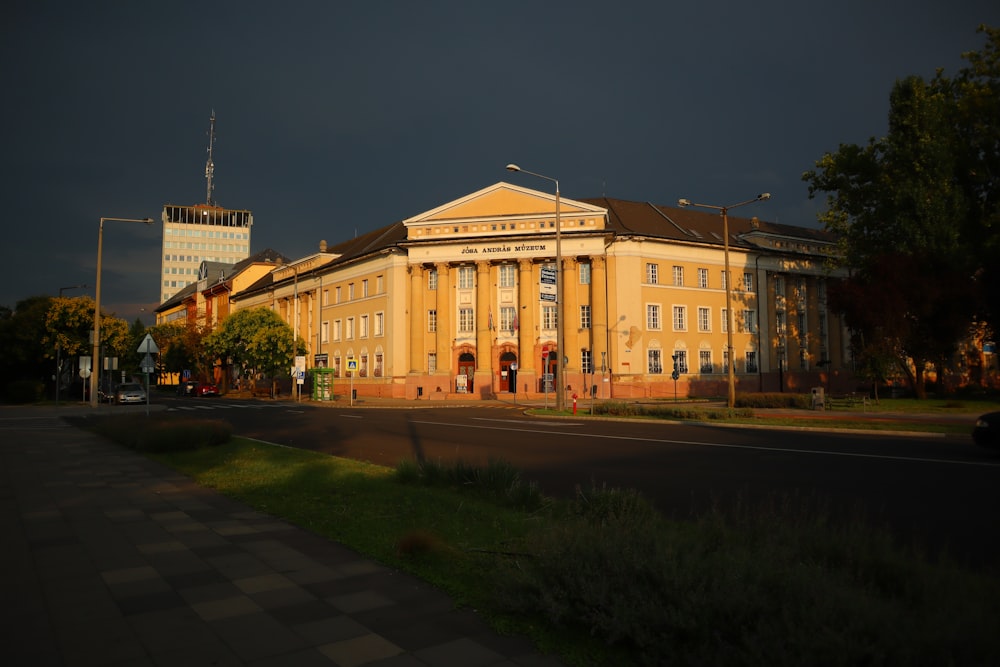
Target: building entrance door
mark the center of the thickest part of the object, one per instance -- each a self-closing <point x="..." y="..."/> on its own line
<point x="466" y="368"/>
<point x="508" y="372"/>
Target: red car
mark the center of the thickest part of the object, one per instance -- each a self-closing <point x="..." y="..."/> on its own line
<point x="206" y="389"/>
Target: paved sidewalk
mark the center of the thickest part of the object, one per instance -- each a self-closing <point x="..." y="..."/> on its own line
<point x="109" y="558"/>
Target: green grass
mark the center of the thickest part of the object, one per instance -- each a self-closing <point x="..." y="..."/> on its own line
<point x="605" y="579"/>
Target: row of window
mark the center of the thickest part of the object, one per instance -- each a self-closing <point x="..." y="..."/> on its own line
<point x="653" y="277"/>
<point x="746" y="324"/>
<point x="507" y="275"/>
<point x="217" y="247"/>
<point x="654" y="362"/>
<point x="206" y="233"/>
<point x="338" y="293"/>
<point x="377" y="368"/>
<point x="350" y="328"/>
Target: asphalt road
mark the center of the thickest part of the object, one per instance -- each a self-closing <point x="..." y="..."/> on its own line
<point x="936" y="492"/>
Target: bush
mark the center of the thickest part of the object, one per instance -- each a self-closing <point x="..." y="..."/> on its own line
<point x="20" y="392"/>
<point x="771" y="586"/>
<point x="499" y="479"/>
<point x="774" y="400"/>
<point x="164" y="433"/>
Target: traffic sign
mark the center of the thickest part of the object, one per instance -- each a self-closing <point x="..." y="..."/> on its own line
<point x="148" y="346"/>
<point x="547" y="289"/>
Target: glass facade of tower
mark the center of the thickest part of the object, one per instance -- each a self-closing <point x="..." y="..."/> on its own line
<point x="193" y="234"/>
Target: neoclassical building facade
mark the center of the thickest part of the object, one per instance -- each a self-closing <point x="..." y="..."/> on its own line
<point x="459" y="301"/>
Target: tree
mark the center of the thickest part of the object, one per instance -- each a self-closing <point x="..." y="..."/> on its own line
<point x="914" y="211"/>
<point x="254" y="340"/>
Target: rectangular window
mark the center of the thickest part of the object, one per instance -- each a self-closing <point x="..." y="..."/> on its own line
<point x="380" y="324"/>
<point x="432" y="321"/>
<point x="587" y="361"/>
<point x="585" y="317"/>
<point x="705" y="361"/>
<point x="651" y="271"/>
<point x="704" y="319"/>
<point x="432" y="279"/>
<point x="725" y="361"/>
<point x="549" y="318"/>
<point x="682" y="361"/>
<point x="748" y="281"/>
<point x="350" y="328"/>
<point x="350" y="292"/>
<point x="364" y="287"/>
<point x="654" y="361"/>
<point x="680" y="318"/>
<point x="337" y="329"/>
<point x="751" y="361"/>
<point x="585" y="273"/>
<point x="678" y="276"/>
<point x="508" y="275"/>
<point x="466" y="277"/>
<point x="466" y="321"/>
<point x="779" y="322"/>
<point x="653" y="317"/>
<point x="378" y="364"/>
<point x="724" y="281"/>
<point x="702" y="277"/>
<point x="379" y="285"/>
<point x="324" y="336"/>
<point x="749" y="321"/>
<point x="507" y="318"/>
<point x="326" y="297"/>
<point x="779" y="286"/>
<point x="725" y="320"/>
<point x="432" y="362"/>
<point x="336" y="293"/>
<point x="363" y="365"/>
<point x="364" y="326"/>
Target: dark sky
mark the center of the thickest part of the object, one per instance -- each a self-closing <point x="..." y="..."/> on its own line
<point x="334" y="118"/>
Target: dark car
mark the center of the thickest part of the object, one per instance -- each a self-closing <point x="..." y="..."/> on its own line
<point x="187" y="388"/>
<point x="987" y="430"/>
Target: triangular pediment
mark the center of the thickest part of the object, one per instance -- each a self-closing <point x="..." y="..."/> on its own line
<point x="503" y="203"/>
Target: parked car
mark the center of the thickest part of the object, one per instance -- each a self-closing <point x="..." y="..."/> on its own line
<point x="130" y="392"/>
<point x="206" y="389"/>
<point x="187" y="388"/>
<point x="986" y="432"/>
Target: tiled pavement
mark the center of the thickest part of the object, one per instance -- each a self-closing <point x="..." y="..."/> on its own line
<point x="111" y="559"/>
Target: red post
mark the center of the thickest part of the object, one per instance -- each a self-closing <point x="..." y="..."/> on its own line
<point x="574" y="404"/>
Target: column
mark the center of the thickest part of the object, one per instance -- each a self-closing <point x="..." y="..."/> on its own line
<point x="599" y="308"/>
<point x="418" y="318"/>
<point x="484" y="336"/>
<point x="527" y="306"/>
<point x="571" y="327"/>
<point x="443" y="306"/>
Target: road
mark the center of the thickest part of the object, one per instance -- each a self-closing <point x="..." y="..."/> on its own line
<point x="938" y="492"/>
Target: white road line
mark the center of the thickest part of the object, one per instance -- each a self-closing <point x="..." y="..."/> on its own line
<point x="522" y="421"/>
<point x="694" y="443"/>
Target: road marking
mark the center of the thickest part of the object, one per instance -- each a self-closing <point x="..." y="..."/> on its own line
<point x="695" y="443"/>
<point x="351" y="416"/>
<point x="522" y="421"/>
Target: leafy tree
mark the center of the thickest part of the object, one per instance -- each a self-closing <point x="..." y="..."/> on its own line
<point x="255" y="340"/>
<point x="914" y="211"/>
<point x="25" y="352"/>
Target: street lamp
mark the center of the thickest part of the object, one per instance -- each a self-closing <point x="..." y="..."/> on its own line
<point x="59" y="347"/>
<point x="560" y="325"/>
<point x="729" y="282"/>
<point x="97" y="305"/>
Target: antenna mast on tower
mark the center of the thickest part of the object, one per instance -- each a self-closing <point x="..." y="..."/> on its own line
<point x="210" y="166"/>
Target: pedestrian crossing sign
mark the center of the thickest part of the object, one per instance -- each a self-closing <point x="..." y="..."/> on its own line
<point x="352" y="364"/>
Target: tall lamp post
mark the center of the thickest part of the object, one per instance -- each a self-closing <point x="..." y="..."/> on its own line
<point x="560" y="324"/>
<point x="59" y="347"/>
<point x="95" y="362"/>
<point x="729" y="282"/>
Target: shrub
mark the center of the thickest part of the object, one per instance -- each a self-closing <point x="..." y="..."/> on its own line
<point x="774" y="400"/>
<point x="163" y="433"/>
<point x="23" y="391"/>
<point x="499" y="479"/>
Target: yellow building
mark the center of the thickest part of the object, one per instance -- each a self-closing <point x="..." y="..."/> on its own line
<point x="457" y="301"/>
